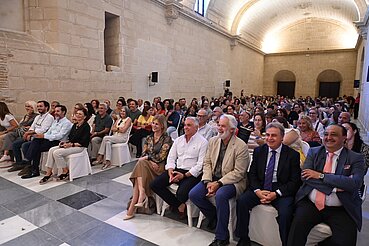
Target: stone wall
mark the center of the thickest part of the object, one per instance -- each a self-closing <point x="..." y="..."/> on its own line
<point x="307" y="67"/>
<point x="61" y="56"/>
<point x="313" y="34"/>
<point x="364" y="88"/>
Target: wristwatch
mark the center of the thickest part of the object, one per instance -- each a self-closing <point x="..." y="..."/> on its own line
<point x="321" y="176"/>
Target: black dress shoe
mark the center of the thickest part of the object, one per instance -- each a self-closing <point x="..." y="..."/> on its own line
<point x="244" y="242"/>
<point x="31" y="175"/>
<point x="218" y="242"/>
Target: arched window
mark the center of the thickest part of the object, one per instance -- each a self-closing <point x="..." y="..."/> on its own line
<point x="201" y="6"/>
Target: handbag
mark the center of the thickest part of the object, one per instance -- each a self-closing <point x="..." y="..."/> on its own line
<point x="20" y="131"/>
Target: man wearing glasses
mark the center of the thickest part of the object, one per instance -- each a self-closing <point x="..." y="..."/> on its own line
<point x="317" y="125"/>
<point x="40" y="125"/>
<point x="205" y="129"/>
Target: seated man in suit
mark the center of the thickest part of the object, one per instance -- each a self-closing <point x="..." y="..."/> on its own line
<point x="332" y="176"/>
<point x="274" y="179"/>
<point x="184" y="165"/>
<point x="225" y="165"/>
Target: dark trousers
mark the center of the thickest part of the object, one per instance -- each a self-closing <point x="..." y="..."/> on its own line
<point x="248" y="200"/>
<point x="344" y="230"/>
<point x="136" y="139"/>
<point x="37" y="146"/>
<point x="160" y="184"/>
<point x="220" y="212"/>
<point x="356" y="110"/>
<point x="20" y="146"/>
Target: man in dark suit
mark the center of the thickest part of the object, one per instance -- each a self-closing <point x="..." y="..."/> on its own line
<point x="332" y="176"/>
<point x="274" y="179"/>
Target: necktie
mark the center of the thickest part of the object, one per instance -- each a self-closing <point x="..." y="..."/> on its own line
<point x="269" y="172"/>
<point x="320" y="196"/>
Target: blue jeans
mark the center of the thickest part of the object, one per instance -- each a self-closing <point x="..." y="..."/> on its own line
<point x="220" y="212"/>
<point x="20" y="146"/>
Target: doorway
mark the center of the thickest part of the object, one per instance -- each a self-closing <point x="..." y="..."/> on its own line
<point x="329" y="89"/>
<point x="329" y="82"/>
<point x="285" y="82"/>
<point x="286" y="88"/>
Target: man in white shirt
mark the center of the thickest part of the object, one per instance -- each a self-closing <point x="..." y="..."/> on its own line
<point x="58" y="132"/>
<point x="184" y="166"/>
<point x="40" y="125"/>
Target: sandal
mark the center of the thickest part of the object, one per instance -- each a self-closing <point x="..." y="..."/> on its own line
<point x="45" y="179"/>
<point x="105" y="166"/>
<point x="63" y="176"/>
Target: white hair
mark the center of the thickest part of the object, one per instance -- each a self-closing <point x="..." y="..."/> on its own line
<point x="194" y="119"/>
<point x="232" y="120"/>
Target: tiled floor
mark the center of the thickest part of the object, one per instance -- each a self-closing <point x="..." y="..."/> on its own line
<point x="89" y="211"/>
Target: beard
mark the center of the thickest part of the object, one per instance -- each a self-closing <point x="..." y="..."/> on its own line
<point x="224" y="135"/>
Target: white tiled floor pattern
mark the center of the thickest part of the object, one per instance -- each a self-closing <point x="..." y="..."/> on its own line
<point x="14" y="227"/>
<point x="33" y="184"/>
<point x="156" y="229"/>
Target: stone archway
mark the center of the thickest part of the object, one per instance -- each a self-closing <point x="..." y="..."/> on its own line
<point x="329" y="83"/>
<point x="285" y="82"/>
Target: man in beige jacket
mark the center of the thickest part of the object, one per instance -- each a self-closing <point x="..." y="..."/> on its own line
<point x="226" y="161"/>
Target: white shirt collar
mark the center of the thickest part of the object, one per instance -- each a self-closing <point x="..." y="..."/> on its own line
<point x="278" y="150"/>
<point x="337" y="152"/>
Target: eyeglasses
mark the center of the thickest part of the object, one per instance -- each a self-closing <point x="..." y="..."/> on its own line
<point x="200" y="116"/>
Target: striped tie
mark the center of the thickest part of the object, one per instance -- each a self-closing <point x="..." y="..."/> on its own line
<point x="269" y="172"/>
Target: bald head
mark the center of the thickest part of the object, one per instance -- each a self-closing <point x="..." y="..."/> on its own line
<point x="344" y="117"/>
<point x="202" y="115"/>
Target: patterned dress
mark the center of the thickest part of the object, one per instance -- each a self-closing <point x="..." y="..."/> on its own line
<point x="156" y="152"/>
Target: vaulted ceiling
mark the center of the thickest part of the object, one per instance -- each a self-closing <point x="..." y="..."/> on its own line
<point x="306" y="24"/>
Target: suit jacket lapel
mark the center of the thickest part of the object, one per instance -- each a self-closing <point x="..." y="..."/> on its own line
<point x="341" y="161"/>
<point x="216" y="153"/>
<point x="263" y="161"/>
<point x="282" y="160"/>
<point x="229" y="150"/>
<point x="320" y="161"/>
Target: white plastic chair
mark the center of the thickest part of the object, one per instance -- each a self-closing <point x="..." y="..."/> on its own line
<point x="192" y="210"/>
<point x="120" y="153"/>
<point x="174" y="134"/>
<point x="79" y="165"/>
<point x="263" y="222"/>
<point x="232" y="216"/>
<point x="319" y="233"/>
<point x="305" y="147"/>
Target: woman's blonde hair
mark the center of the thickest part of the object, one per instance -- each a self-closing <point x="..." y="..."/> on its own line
<point x="162" y="121"/>
<point x="33" y="104"/>
<point x="308" y="122"/>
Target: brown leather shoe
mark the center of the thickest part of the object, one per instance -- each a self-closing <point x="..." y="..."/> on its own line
<point x="25" y="171"/>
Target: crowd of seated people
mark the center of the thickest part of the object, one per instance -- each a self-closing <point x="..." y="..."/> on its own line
<point x="211" y="156"/>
